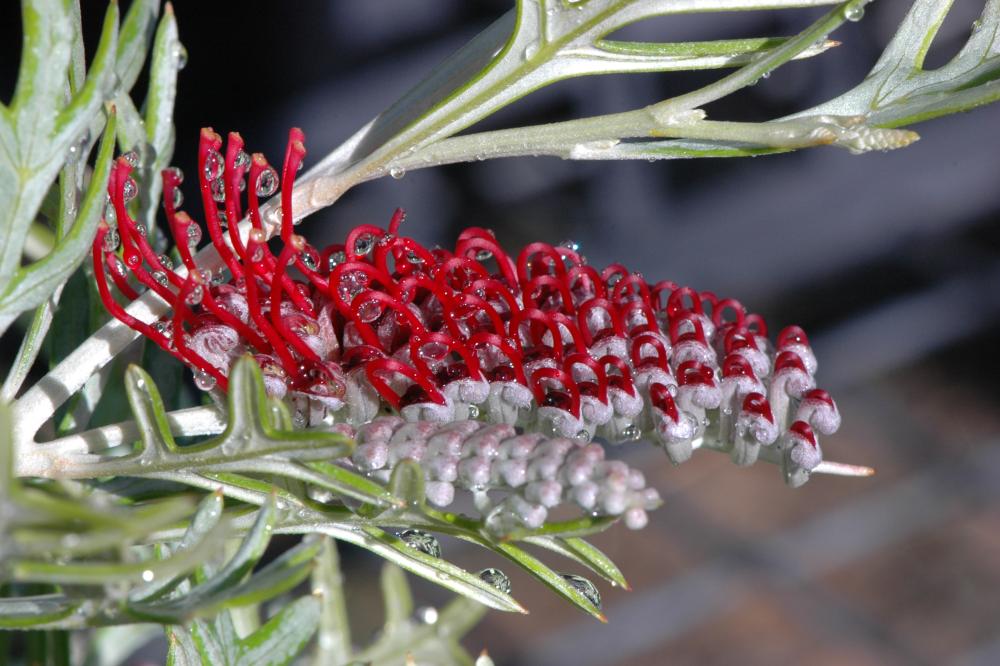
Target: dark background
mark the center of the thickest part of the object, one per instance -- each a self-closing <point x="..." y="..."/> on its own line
<point x="890" y="262"/>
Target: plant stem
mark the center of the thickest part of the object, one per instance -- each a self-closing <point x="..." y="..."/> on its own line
<point x="333" y="643"/>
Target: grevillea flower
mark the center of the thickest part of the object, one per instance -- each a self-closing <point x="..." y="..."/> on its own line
<point x="499" y="370"/>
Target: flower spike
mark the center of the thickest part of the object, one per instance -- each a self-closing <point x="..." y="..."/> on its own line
<point x="499" y="372"/>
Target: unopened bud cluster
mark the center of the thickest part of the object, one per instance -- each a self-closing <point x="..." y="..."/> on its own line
<point x="527" y="473"/>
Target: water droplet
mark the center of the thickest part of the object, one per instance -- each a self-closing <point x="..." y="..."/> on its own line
<point x="766" y="75"/>
<point x="309" y="259"/>
<point x="530" y="50"/>
<point x="335" y="259"/>
<point x="132" y="158"/>
<point x="397" y="172"/>
<point x="223" y="220"/>
<point x="364" y="245"/>
<point x="177" y="174"/>
<point x="164" y="329"/>
<point x="204" y="380"/>
<point x="132" y="258"/>
<point x="584" y="587"/>
<point x="631" y="433"/>
<point x="583" y="436"/>
<point x="242" y="160"/>
<point x="258" y="254"/>
<point x="571" y="245"/>
<point x="193" y="234"/>
<point x="203" y="275"/>
<point x="194" y="296"/>
<point x="484" y="255"/>
<point x="496" y="578"/>
<point x="854" y="13"/>
<point x="218" y="189"/>
<point x="109" y="214"/>
<point x="267" y="182"/>
<point x="79" y="147"/>
<point x="112" y="240"/>
<point x="422" y="541"/>
<point x="148" y="575"/>
<point x="129" y="189"/>
<point x="177" y="198"/>
<point x="473" y="412"/>
<point x="160" y="277"/>
<point x="117" y="266"/>
<point x="427" y="615"/>
<point x="140" y="229"/>
<point x="369" y="312"/>
<point x="214" y="165"/>
<point x="180" y="56"/>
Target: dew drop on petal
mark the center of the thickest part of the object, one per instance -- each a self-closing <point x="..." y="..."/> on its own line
<point x="267" y="182"/>
<point x="110" y="216"/>
<point x="242" y="160"/>
<point x="369" y="312"/>
<point x="364" y="245"/>
<point x="177" y="174"/>
<point x="195" y="295"/>
<point x="129" y="189"/>
<point x="214" y="165"/>
<point x="112" y="240"/>
<point x="178" y="198"/>
<point x="854" y="13"/>
<point x="193" y="234"/>
<point x="117" y="266"/>
<point x="397" y="172"/>
<point x="335" y="259"/>
<point x="218" y="189"/>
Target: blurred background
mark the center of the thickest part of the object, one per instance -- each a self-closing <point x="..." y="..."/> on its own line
<point x="891" y="262"/>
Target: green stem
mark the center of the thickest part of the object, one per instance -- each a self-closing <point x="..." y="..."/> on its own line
<point x="334" y="638"/>
<point x="31" y="346"/>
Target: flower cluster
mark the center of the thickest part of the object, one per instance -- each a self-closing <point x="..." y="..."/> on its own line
<point x="536" y="472"/>
<point x="539" y="343"/>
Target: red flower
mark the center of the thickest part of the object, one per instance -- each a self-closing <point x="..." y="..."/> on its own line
<point x="541" y="340"/>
